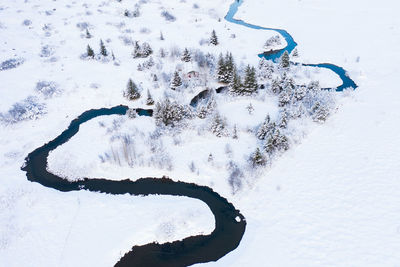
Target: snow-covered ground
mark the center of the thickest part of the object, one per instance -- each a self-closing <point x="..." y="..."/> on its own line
<point x="331" y="200"/>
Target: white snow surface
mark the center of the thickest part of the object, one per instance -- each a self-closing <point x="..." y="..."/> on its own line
<point x="332" y="200"/>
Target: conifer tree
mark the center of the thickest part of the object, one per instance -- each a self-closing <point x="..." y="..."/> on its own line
<point x="88" y="35"/>
<point x="132" y="91"/>
<point x="250" y="109"/>
<point x="295" y="53"/>
<point x="89" y="52"/>
<point x="229" y="68"/>
<point x="186" y="56"/>
<point x="276" y="87"/>
<point x="161" y="36"/>
<point x="221" y="69"/>
<point x="218" y="125"/>
<point x="285" y="60"/>
<point x="162" y="52"/>
<point x="283" y="119"/>
<point x="214" y="38"/>
<point x="257" y="158"/>
<point x="176" y="81"/>
<point x="265" y="69"/>
<point x="250" y="85"/>
<point x="319" y="112"/>
<point x="284" y="97"/>
<point x="149" y="100"/>
<point x="276" y="141"/>
<point x="236" y="87"/>
<point x="266" y="128"/>
<point x="234" y="134"/>
<point x="103" y="50"/>
<point x="136" y="50"/>
<point x="146" y="50"/>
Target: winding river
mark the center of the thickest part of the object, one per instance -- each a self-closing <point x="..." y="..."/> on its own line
<point x="230" y="224"/>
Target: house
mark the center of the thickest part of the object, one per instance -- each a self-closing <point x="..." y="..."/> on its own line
<point x="192" y="74"/>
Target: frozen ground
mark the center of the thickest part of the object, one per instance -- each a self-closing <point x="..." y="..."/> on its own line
<point x="331" y="201"/>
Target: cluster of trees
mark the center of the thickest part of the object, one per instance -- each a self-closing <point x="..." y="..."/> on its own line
<point x="272" y="42"/>
<point x="273" y="140"/>
<point x="308" y="99"/>
<point x="226" y="68"/>
<point x="142" y="51"/>
<point x="132" y="14"/>
<point x="249" y="85"/>
<point x="227" y="73"/>
<point x="170" y="113"/>
<point x="146" y="65"/>
<point x="103" y="50"/>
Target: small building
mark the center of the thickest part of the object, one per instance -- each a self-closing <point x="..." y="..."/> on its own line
<point x="192" y="74"/>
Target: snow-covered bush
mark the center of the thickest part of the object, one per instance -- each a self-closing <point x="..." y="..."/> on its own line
<point x="48" y="89"/>
<point x="235" y="177"/>
<point x="168" y="16"/>
<point x="28" y="109"/>
<point x="11" y="63"/>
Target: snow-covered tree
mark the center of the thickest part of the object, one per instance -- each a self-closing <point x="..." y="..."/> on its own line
<point x="320" y="112"/>
<point x="186" y="57"/>
<point x="272" y="42"/>
<point x="266" y="128"/>
<point x="103" y="50"/>
<point x="89" y="52"/>
<point x="276" y="86"/>
<point x="235" y="134"/>
<point x="283" y="119"/>
<point x="214" y="38"/>
<point x="295" y="53"/>
<point x="169" y="113"/>
<point x="285" y="60"/>
<point x="221" y="69"/>
<point x="226" y="68"/>
<point x="284" y="97"/>
<point x="300" y="92"/>
<point x="257" y="158"/>
<point x="136" y="50"/>
<point x="250" y="85"/>
<point x="161" y="36"/>
<point x="250" y="108"/>
<point x="88" y="35"/>
<point x="132" y="91"/>
<point x="149" y="100"/>
<point x="146" y="50"/>
<point x="142" y="51"/>
<point x="230" y="68"/>
<point x="265" y="69"/>
<point x="236" y="87"/>
<point x="218" y="125"/>
<point x="162" y="52"/>
<point x="176" y="81"/>
<point x="206" y="109"/>
<point x="276" y="141"/>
